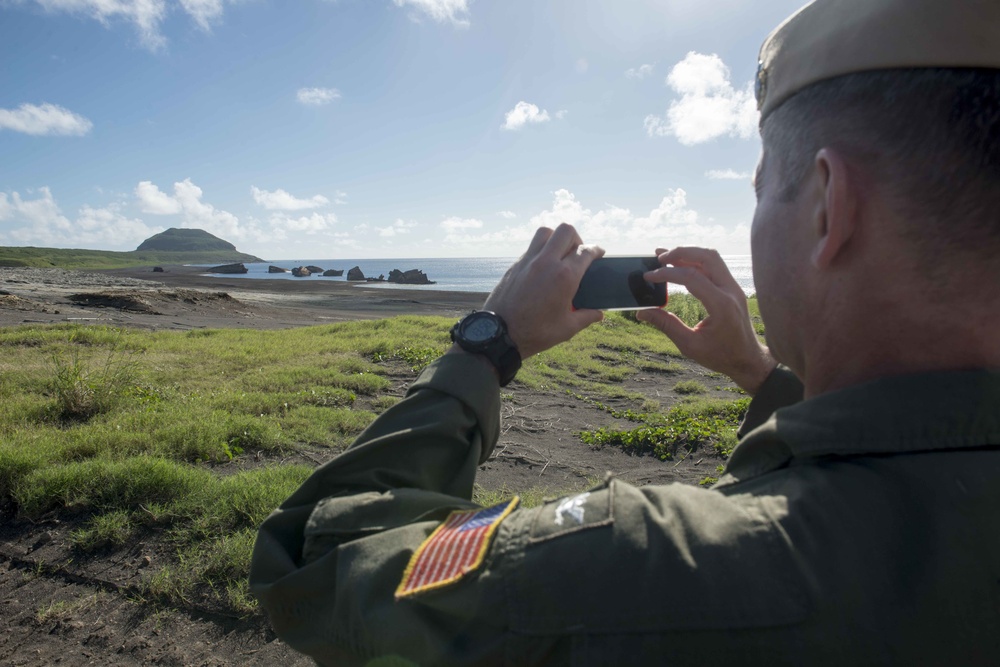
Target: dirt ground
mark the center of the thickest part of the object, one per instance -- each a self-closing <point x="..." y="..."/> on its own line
<point x="59" y="608"/>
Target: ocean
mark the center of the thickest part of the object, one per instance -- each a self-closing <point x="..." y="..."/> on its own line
<point x="469" y="274"/>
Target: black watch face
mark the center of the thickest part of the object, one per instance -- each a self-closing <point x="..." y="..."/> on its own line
<point x="481" y="329"/>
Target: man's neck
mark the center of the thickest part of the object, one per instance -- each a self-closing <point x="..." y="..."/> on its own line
<point x="903" y="342"/>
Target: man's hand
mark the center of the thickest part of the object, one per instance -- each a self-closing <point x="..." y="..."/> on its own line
<point x="535" y="296"/>
<point x="725" y="341"/>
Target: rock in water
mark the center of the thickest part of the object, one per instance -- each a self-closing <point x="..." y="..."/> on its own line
<point x="411" y="277"/>
<point x="301" y="272"/>
<point x="315" y="269"/>
<point x="276" y="269"/>
<point x="334" y="273"/>
<point x="355" y="274"/>
<point x="229" y="268"/>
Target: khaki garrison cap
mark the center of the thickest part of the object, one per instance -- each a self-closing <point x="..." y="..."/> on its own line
<point x="830" y="38"/>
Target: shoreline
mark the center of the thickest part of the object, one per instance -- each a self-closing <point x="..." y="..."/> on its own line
<point x="182" y="298"/>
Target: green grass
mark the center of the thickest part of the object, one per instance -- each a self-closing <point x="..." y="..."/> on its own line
<point x="606" y="353"/>
<point x="702" y="422"/>
<point x="124" y="432"/>
<point x="688" y="387"/>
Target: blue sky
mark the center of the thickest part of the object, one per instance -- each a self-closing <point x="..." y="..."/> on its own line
<point x="380" y="128"/>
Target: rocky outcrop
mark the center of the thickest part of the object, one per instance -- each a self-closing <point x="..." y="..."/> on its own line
<point x="380" y="279"/>
<point x="333" y="273"/>
<point x="157" y="269"/>
<point x="229" y="268"/>
<point x="301" y="272"/>
<point x="315" y="269"/>
<point x="276" y="269"/>
<point x="355" y="274"/>
<point x="411" y="277"/>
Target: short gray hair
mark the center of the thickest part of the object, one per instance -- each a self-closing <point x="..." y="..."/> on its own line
<point x="928" y="138"/>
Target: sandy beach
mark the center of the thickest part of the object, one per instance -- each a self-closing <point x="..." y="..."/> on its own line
<point x="183" y="297"/>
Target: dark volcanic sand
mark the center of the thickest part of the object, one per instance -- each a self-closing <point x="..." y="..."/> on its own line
<point x="43" y="295"/>
<point x="61" y="608"/>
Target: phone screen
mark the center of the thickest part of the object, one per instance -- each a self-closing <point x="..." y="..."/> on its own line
<point x="616" y="283"/>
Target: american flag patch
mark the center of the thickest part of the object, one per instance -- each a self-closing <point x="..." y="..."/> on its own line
<point x="456" y="548"/>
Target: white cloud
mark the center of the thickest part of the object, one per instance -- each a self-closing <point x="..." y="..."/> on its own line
<point x="340" y="197"/>
<point x="279" y="200"/>
<point x="561" y="114"/>
<point x="203" y="215"/>
<point x="316" y="97"/>
<point x="522" y="114"/>
<point x="41" y="213"/>
<point x="509" y="242"/>
<point x="397" y="228"/>
<point x="310" y="224"/>
<point x="618" y="230"/>
<point x="155" y="201"/>
<point x="727" y="175"/>
<point x="45" y="224"/>
<point x="400" y="226"/>
<point x="454" y="223"/>
<point x="709" y="107"/>
<point x="203" y="11"/>
<point x="146" y="16"/>
<point x="455" y="12"/>
<point x="195" y="213"/>
<point x="45" y="119"/>
<point x="670" y="224"/>
<point x="507" y="215"/>
<point x="640" y="72"/>
<point x="110" y="226"/>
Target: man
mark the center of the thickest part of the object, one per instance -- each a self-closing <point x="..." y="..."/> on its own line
<point x="858" y="526"/>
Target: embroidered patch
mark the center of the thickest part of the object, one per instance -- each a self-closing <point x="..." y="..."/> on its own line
<point x="583" y="511"/>
<point x="573" y="507"/>
<point x="457" y="547"/>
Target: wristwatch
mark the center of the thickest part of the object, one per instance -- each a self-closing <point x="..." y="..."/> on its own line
<point x="484" y="332"/>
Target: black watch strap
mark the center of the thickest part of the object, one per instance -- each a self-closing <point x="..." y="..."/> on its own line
<point x="506" y="359"/>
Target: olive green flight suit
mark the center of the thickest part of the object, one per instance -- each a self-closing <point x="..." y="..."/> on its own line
<point x="861" y="527"/>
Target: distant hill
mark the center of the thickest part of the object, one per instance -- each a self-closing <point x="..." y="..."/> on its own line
<point x="185" y="240"/>
<point x="174" y="246"/>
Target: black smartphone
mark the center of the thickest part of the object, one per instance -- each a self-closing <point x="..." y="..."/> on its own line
<point x="616" y="283"/>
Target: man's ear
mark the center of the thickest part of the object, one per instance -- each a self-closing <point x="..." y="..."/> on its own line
<point x="836" y="212"/>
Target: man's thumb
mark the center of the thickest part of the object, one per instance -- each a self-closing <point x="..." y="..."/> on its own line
<point x="667" y="322"/>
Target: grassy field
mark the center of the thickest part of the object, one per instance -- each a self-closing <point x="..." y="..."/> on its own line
<point x="123" y="430"/>
<point x="105" y="259"/>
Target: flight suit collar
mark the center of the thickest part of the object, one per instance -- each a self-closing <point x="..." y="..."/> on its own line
<point x="895" y="415"/>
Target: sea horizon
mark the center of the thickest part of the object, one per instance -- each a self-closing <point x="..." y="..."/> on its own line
<point x="452" y="274"/>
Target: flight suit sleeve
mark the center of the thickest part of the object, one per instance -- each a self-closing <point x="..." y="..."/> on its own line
<point x="781" y="389"/>
<point x="326" y="564"/>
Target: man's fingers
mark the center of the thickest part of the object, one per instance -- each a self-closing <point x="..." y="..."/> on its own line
<point x="709" y="261"/>
<point x="542" y="234"/>
<point x="563" y="241"/>
<point x="696" y="282"/>
<point x="584" y="257"/>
